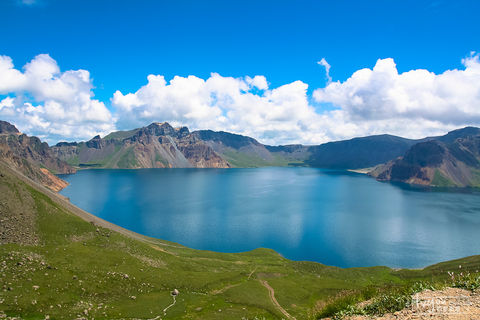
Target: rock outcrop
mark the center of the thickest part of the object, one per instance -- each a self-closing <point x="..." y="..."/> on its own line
<point x="158" y="145"/>
<point x="452" y="160"/>
<point x="243" y="151"/>
<point x="32" y="157"/>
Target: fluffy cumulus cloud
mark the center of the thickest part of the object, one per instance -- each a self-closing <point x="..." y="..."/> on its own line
<point x="54" y="105"/>
<point x="42" y="100"/>
<point x="414" y="103"/>
<point x="241" y="105"/>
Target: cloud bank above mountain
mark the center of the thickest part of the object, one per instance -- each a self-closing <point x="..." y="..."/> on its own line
<point x="54" y="105"/>
<point x="42" y="100"/>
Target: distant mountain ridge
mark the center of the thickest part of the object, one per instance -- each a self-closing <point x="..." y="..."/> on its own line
<point x="452" y="160"/>
<point x="160" y="145"/>
<point x="363" y="152"/>
<point x="449" y="160"/>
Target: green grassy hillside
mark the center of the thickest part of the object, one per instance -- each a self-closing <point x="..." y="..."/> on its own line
<point x="59" y="261"/>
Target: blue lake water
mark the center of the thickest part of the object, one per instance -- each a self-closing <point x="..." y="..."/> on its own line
<point x="336" y="218"/>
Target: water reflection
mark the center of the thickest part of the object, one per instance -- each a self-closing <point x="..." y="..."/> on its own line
<point x="330" y="216"/>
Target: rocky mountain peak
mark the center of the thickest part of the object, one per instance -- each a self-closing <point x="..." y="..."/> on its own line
<point x="159" y="129"/>
<point x="163" y="129"/>
<point x="95" y="142"/>
<point x="429" y="153"/>
<point x="8" y="128"/>
<point x="182" y="131"/>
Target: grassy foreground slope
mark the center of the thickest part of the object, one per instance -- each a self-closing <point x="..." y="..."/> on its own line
<point x="60" y="261"/>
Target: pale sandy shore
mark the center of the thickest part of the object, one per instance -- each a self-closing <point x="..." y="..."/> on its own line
<point x="362" y="171"/>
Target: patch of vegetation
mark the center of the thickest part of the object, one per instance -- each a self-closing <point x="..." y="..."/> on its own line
<point x="82" y="270"/>
<point x="127" y="159"/>
<point x="345" y="303"/>
<point x="159" y="158"/>
<point x="245" y="160"/>
<point x="73" y="161"/>
<point x="392" y="299"/>
<point x="380" y="301"/>
<point x="476" y="178"/>
<point x="120" y="135"/>
<point x="439" y="180"/>
<point x="465" y="280"/>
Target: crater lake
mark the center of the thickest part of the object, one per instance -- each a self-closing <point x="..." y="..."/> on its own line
<point x="333" y="217"/>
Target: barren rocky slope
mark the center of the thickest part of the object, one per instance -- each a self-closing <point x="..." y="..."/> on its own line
<point x="452" y="160"/>
<point x="32" y="157"/>
<point x="158" y="145"/>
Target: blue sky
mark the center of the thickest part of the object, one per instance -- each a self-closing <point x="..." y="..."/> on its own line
<point x="121" y="42"/>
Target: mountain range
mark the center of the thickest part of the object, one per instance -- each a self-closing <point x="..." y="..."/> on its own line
<point x="159" y="145"/>
<point x="445" y="161"/>
<point x="60" y="262"/>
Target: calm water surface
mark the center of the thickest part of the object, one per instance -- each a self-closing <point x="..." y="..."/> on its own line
<point x="335" y="218"/>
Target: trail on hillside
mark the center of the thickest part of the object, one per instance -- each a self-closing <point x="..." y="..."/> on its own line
<point x="171" y="305"/>
<point x="251" y="273"/>
<point x="222" y="290"/>
<point x="274" y="300"/>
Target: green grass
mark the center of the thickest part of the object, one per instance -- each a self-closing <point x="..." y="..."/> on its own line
<point x="127" y="159"/>
<point x="476" y="178"/>
<point x="245" y="160"/>
<point x="159" y="158"/>
<point x="108" y="160"/>
<point x="439" y="180"/>
<point x="80" y="269"/>
<point x="73" y="161"/>
<point x="120" y="135"/>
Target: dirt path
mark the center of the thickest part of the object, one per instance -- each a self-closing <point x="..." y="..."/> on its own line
<point x="171" y="305"/>
<point x="251" y="273"/>
<point x="222" y="290"/>
<point x="274" y="300"/>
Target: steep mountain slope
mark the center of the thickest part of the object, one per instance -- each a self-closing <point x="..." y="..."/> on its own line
<point x="243" y="151"/>
<point x="446" y="161"/>
<point x="357" y="153"/>
<point x="31" y="156"/>
<point x="158" y="145"/>
<point x="59" y="262"/>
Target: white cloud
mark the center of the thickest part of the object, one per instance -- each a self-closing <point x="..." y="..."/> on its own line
<point x="11" y="79"/>
<point x="275" y="115"/>
<point x="414" y="103"/>
<point x="49" y="103"/>
<point x="42" y="100"/>
<point x="327" y="67"/>
<point x="372" y="101"/>
<point x="259" y="82"/>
